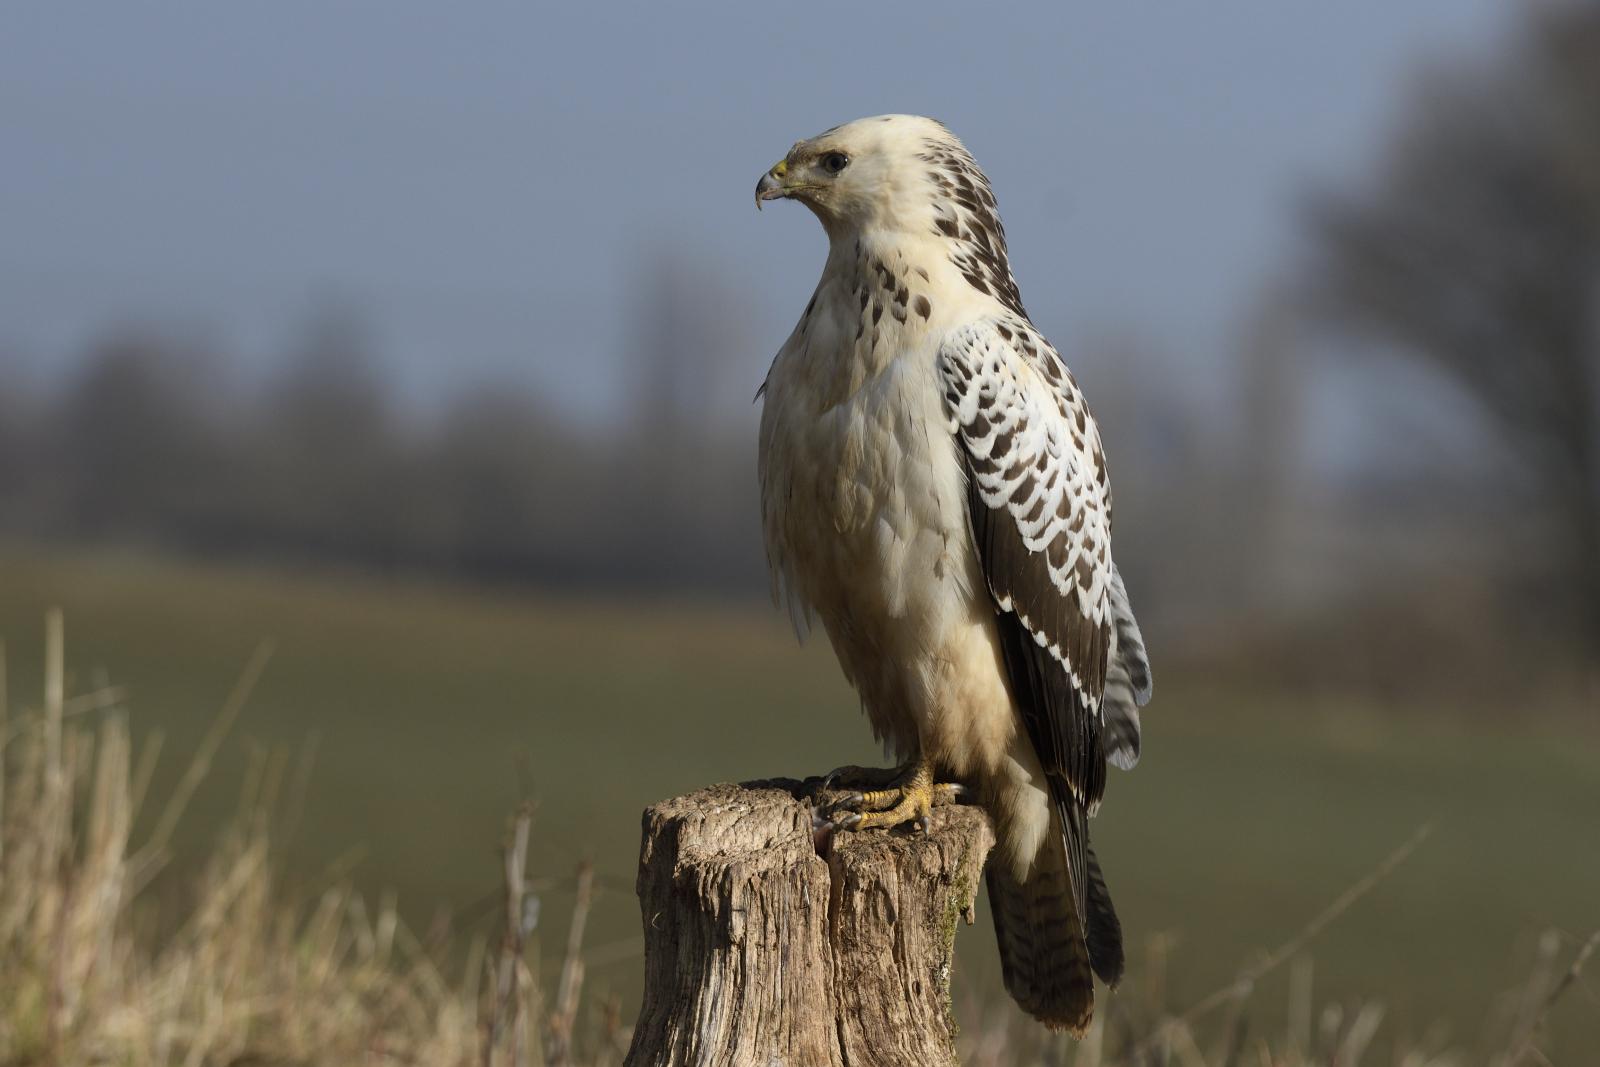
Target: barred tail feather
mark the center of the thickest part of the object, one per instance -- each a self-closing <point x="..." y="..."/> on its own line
<point x="1120" y="710"/>
<point x="1128" y="682"/>
<point x="1043" y="955"/>
<point x="1105" y="929"/>
<point x="1046" y="954"/>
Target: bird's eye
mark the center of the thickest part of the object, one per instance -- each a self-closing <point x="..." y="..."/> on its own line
<point x="834" y="162"/>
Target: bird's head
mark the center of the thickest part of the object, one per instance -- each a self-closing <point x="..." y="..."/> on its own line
<point x="874" y="173"/>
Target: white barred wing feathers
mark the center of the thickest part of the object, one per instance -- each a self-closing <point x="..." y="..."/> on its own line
<point x="1128" y="681"/>
<point x="1041" y="514"/>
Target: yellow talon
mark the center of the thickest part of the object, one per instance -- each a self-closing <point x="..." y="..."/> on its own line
<point x="911" y="800"/>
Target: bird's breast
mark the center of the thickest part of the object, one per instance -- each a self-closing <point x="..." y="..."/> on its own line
<point x="863" y="503"/>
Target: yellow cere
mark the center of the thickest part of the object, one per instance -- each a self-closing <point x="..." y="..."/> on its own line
<point x="780" y="168"/>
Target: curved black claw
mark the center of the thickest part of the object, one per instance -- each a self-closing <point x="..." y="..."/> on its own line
<point x="843" y="813"/>
<point x="844" y="819"/>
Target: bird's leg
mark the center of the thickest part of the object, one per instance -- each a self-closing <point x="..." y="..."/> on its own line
<point x="911" y="799"/>
<point x="855" y="779"/>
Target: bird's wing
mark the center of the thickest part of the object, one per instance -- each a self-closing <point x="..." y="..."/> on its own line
<point x="1128" y="681"/>
<point x="1040" y="506"/>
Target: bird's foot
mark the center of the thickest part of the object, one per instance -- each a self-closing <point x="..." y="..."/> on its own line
<point x="910" y="799"/>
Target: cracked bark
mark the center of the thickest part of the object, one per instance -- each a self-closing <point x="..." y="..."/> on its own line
<point x="759" y="950"/>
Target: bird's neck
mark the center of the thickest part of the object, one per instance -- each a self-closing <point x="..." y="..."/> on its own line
<point x="960" y="252"/>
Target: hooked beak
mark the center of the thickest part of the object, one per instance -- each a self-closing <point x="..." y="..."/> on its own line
<point x="771" y="186"/>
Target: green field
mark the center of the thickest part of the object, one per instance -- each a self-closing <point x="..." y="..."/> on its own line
<point x="434" y="709"/>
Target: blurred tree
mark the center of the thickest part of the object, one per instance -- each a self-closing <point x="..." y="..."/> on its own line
<point x="18" y="405"/>
<point x="151" y="444"/>
<point x="333" y="479"/>
<point x="505" y="494"/>
<point x="686" y="482"/>
<point x="134" y="444"/>
<point x="1478" y="252"/>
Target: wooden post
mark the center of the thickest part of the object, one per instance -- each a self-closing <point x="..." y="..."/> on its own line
<point x="769" y="944"/>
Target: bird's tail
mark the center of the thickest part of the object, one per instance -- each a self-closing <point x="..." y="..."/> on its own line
<point x="1048" y="951"/>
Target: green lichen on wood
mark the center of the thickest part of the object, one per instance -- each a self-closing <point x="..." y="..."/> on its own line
<point x="957" y="904"/>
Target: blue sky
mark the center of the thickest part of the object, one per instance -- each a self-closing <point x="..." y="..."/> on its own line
<point x="486" y="182"/>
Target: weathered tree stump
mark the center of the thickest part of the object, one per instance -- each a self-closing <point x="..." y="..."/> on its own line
<point x="769" y="944"/>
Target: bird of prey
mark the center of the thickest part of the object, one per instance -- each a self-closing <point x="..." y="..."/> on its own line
<point x="933" y="490"/>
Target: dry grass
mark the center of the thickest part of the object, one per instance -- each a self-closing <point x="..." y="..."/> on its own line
<point x="245" y="978"/>
<point x="1126" y="1033"/>
<point x="1216" y="1030"/>
<point x="253" y="977"/>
